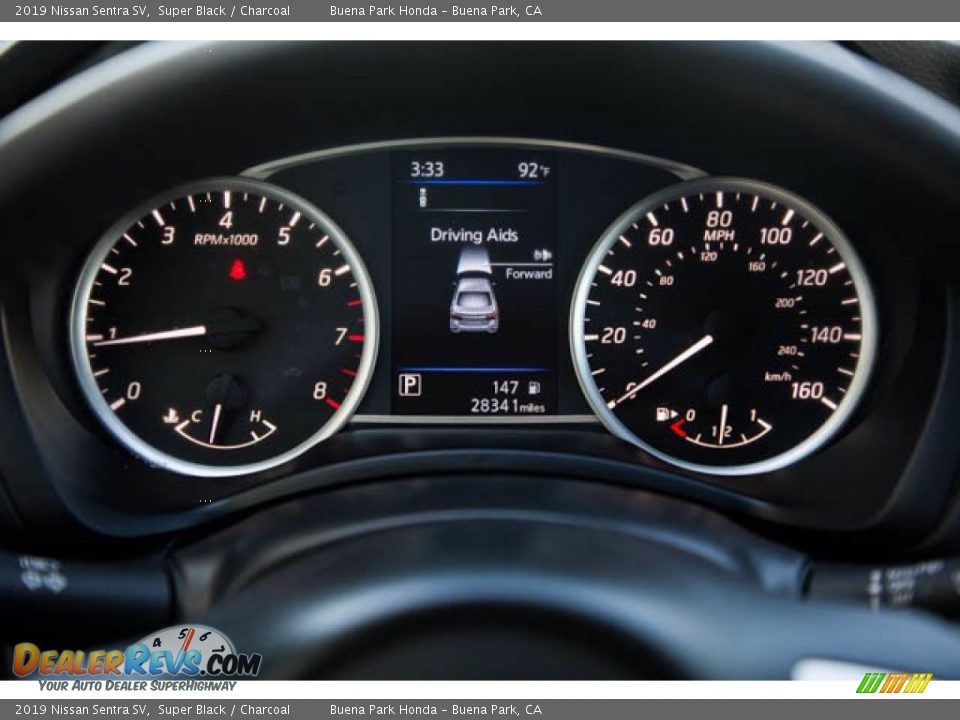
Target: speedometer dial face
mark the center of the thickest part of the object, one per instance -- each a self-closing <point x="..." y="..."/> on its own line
<point x="224" y="329"/>
<point x="725" y="326"/>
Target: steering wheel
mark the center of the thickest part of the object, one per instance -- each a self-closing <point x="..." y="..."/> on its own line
<point x="527" y="578"/>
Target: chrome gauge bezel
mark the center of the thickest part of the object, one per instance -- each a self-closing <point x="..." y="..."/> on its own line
<point x="869" y="323"/>
<point x="78" y="323"/>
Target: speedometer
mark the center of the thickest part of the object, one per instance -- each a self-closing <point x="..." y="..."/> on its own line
<point x="224" y="328"/>
<point x="725" y="326"/>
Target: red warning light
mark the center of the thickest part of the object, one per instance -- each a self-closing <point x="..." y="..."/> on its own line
<point x="238" y="271"/>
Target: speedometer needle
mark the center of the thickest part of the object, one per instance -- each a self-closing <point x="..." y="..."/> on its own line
<point x="681" y="358"/>
<point x="195" y="331"/>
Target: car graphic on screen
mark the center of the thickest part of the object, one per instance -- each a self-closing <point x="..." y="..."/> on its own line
<point x="474" y="306"/>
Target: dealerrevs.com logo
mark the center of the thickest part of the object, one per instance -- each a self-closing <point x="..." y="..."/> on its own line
<point x="181" y="651"/>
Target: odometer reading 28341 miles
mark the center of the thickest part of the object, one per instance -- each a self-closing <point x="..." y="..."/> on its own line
<point x="725" y="326"/>
<point x="224" y="329"/>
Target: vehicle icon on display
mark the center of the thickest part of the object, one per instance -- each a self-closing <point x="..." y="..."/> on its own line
<point x="474" y="307"/>
<point x="474" y="304"/>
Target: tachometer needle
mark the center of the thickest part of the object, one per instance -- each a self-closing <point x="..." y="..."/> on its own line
<point x="195" y="331"/>
<point x="216" y="422"/>
<point x="681" y="358"/>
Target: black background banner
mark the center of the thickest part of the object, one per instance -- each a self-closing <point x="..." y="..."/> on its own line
<point x="472" y="11"/>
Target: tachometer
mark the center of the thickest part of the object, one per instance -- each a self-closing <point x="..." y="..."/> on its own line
<point x="224" y="329"/>
<point x="725" y="326"/>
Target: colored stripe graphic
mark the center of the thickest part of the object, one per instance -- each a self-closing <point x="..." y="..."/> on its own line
<point x="913" y="683"/>
<point x="894" y="682"/>
<point x="919" y="682"/>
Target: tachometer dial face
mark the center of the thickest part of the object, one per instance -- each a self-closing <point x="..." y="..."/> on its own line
<point x="725" y="326"/>
<point x="224" y="329"/>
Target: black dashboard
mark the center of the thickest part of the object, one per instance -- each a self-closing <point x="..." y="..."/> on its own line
<point x="509" y="222"/>
<point x="241" y="273"/>
<point x="516" y="221"/>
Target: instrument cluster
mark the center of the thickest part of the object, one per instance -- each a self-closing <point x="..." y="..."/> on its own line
<point x="716" y="325"/>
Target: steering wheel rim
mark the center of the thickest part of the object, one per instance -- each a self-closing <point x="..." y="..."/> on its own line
<point x="324" y="593"/>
